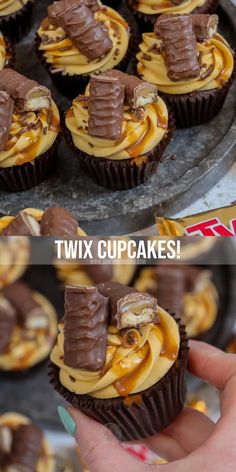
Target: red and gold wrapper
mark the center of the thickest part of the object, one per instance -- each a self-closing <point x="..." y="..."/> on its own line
<point x="218" y="222"/>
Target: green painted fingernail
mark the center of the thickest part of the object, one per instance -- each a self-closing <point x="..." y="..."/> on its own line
<point x="67" y="420"/>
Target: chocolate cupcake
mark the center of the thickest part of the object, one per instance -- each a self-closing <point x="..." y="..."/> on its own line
<point x="14" y="259"/>
<point x="191" y="65"/>
<point x="15" y="18"/>
<point x="148" y="11"/>
<point x="30" y="132"/>
<point x="119" y="129"/>
<point x="54" y="221"/>
<point x="186" y="291"/>
<point x="23" y="445"/>
<point x="140" y="396"/>
<point x="98" y="40"/>
<point x="28" y="326"/>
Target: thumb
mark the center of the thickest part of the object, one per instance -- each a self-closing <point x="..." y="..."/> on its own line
<point x="100" y="449"/>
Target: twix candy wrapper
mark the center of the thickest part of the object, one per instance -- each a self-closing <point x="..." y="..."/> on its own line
<point x="218" y="222"/>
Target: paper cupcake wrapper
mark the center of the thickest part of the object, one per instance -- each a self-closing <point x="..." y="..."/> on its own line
<point x="198" y="108"/>
<point x="30" y="174"/>
<point x="16" y="25"/>
<point x="146" y="22"/>
<point x="160" y="404"/>
<point x="126" y="173"/>
<point x="71" y="85"/>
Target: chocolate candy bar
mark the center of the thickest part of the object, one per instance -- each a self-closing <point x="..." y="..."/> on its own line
<point x="105" y="107"/>
<point x="85" y="329"/>
<point x="129" y="308"/>
<point x="205" y="26"/>
<point x="6" y="112"/>
<point x="27" y="94"/>
<point x="58" y="222"/>
<point x="30" y="312"/>
<point x="179" y="47"/>
<point x="60" y="7"/>
<point x="77" y="20"/>
<point x="22" y="225"/>
<point x="7" y="323"/>
<point x="26" y="449"/>
<point x="170" y="288"/>
<point x="137" y="92"/>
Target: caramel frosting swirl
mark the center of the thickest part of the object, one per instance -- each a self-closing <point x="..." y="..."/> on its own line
<point x="215" y="59"/>
<point x="140" y="134"/>
<point x="59" y="51"/>
<point x="11" y="6"/>
<point x="130" y="368"/>
<point x="31" y="134"/>
<point x="156" y="7"/>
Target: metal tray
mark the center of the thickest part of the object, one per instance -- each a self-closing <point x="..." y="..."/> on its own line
<point x="30" y="393"/>
<point x="203" y="155"/>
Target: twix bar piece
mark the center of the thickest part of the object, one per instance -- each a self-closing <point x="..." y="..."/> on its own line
<point x="87" y="34"/>
<point x="22" y="225"/>
<point x="137" y="92"/>
<point x="129" y="308"/>
<point x="57" y="221"/>
<point x="31" y="314"/>
<point x="179" y="47"/>
<point x="26" y="449"/>
<point x="27" y="94"/>
<point x="85" y="329"/>
<point x="217" y="222"/>
<point x="204" y="26"/>
<point x="105" y="107"/>
<point x="6" y="112"/>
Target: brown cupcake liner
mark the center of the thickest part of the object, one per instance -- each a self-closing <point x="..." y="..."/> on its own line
<point x="28" y="175"/>
<point x="71" y="85"/>
<point x="146" y="22"/>
<point x="17" y="25"/>
<point x="126" y="173"/>
<point x="198" y="107"/>
<point x="159" y="406"/>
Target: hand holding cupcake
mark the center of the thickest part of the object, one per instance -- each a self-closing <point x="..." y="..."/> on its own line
<point x="190" y="63"/>
<point x="120" y="358"/>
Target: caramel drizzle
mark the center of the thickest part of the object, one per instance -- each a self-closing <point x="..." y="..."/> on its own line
<point x="126" y="383"/>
